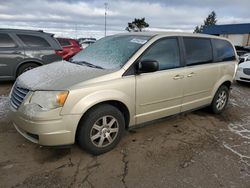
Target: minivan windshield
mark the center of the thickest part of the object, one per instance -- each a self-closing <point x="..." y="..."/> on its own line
<point x="110" y="52"/>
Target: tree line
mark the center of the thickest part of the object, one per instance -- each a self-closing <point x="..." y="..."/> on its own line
<point x="139" y="24"/>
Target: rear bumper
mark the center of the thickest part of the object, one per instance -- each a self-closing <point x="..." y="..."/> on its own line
<point x="56" y="132"/>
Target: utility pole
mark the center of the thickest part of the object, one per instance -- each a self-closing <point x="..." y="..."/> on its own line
<point x="76" y="30"/>
<point x="105" y="26"/>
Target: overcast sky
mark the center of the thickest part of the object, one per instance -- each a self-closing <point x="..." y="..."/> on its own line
<point x="85" y="18"/>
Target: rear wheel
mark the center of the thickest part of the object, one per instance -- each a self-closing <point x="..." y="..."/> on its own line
<point x="101" y="129"/>
<point x="26" y="67"/>
<point x="220" y="100"/>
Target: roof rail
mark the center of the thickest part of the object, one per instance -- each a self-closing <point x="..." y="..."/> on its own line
<point x="26" y="30"/>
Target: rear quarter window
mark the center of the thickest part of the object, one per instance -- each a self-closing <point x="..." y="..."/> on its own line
<point x="33" y="41"/>
<point x="198" y="50"/>
<point x="6" y="41"/>
<point x="224" y="50"/>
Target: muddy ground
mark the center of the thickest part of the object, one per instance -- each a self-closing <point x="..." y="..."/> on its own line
<point x="195" y="149"/>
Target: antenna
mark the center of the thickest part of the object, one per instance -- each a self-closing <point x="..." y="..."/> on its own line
<point x="105" y="26"/>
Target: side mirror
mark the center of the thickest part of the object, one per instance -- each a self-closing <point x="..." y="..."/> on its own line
<point x="147" y="66"/>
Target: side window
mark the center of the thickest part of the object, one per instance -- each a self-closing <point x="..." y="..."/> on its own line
<point x="198" y="50"/>
<point x="6" y="41"/>
<point x="166" y="52"/>
<point x="33" y="41"/>
<point x="64" y="42"/>
<point x="223" y="50"/>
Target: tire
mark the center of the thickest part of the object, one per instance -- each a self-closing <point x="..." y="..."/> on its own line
<point x="105" y="136"/>
<point x="220" y="100"/>
<point x="26" y="67"/>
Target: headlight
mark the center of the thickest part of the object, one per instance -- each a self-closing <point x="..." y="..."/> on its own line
<point x="49" y="99"/>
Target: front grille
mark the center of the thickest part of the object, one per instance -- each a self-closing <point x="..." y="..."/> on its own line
<point x="246" y="71"/>
<point x="17" y="96"/>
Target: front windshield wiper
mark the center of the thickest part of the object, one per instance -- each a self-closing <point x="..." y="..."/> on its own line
<point x="86" y="63"/>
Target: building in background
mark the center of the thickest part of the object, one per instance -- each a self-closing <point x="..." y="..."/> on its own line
<point x="239" y="34"/>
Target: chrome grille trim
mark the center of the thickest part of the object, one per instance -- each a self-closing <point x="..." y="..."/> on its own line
<point x="22" y="90"/>
<point x="13" y="104"/>
<point x="17" y="96"/>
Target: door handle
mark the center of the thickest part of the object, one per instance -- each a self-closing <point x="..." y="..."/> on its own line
<point x="177" y="77"/>
<point x="191" y="74"/>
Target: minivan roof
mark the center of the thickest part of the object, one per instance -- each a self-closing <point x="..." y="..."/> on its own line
<point x="160" y="33"/>
<point x="25" y="30"/>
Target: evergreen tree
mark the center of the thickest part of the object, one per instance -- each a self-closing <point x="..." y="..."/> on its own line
<point x="210" y="20"/>
<point x="137" y="25"/>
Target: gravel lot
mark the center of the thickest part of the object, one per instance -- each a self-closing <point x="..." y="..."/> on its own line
<point x="196" y="149"/>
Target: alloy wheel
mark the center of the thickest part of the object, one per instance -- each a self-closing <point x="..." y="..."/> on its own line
<point x="221" y="100"/>
<point x="104" y="131"/>
<point x="27" y="69"/>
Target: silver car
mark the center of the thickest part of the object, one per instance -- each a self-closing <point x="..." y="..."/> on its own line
<point x="119" y="82"/>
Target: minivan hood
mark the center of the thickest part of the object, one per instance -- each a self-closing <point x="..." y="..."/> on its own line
<point x="58" y="76"/>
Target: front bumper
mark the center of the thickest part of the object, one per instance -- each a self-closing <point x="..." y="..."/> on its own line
<point x="53" y="131"/>
<point x="240" y="76"/>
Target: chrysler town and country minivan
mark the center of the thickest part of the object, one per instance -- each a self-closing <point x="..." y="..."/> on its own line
<point x="119" y="82"/>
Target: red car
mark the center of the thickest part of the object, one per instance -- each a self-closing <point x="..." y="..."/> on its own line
<point x="70" y="48"/>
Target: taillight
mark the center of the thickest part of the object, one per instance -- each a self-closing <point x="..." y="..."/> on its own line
<point x="59" y="52"/>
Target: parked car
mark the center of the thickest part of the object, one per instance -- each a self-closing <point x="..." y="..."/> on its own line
<point x="22" y="50"/>
<point x="70" y="47"/>
<point x="247" y="47"/>
<point x="119" y="82"/>
<point x="243" y="72"/>
<point x="80" y="40"/>
<point x="241" y="50"/>
<point x="245" y="57"/>
<point x="86" y="43"/>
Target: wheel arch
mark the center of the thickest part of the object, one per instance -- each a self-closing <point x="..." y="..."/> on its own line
<point x="227" y="81"/>
<point x="118" y="104"/>
<point x="39" y="63"/>
<point x="222" y="101"/>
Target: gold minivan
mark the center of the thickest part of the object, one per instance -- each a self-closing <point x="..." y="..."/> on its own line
<point x="119" y="82"/>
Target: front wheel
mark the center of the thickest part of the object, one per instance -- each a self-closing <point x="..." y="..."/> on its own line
<point x="26" y="67"/>
<point x="220" y="100"/>
<point x="101" y="129"/>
